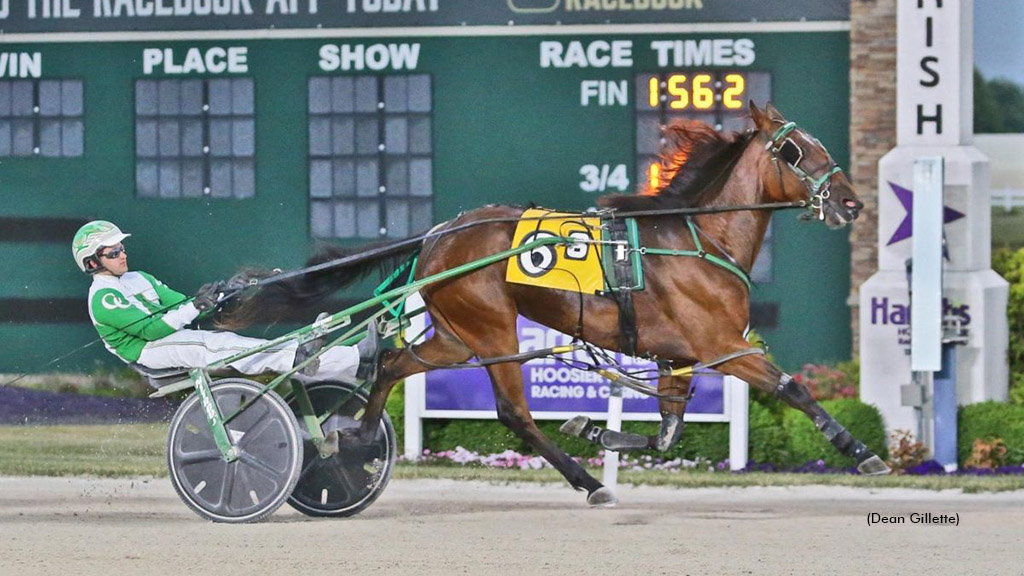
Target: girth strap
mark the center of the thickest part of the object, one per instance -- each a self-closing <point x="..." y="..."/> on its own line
<point x="619" y="280"/>
<point x="700" y="252"/>
<point x="627" y="322"/>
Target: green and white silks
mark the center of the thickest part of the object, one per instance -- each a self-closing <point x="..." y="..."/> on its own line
<point x="120" y="309"/>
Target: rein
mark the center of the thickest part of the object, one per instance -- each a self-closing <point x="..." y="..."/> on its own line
<point x="779" y="145"/>
<point x="408" y="242"/>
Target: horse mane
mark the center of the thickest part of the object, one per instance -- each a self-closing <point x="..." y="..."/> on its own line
<point x="693" y="161"/>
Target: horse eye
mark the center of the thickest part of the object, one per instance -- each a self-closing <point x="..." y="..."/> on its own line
<point x="791" y="153"/>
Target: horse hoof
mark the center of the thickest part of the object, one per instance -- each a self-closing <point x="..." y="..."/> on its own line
<point x="349" y="439"/>
<point x="574" y="426"/>
<point x="873" y="466"/>
<point x="603" y="497"/>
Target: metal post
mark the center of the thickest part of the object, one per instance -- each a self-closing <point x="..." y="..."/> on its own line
<point x="739" y="421"/>
<point x="926" y="277"/>
<point x="611" y="458"/>
<point x="944" y="392"/>
<point x="944" y="400"/>
<point x="415" y="389"/>
<point x="926" y="289"/>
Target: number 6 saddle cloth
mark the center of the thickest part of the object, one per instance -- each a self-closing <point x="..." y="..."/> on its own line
<point x="604" y="259"/>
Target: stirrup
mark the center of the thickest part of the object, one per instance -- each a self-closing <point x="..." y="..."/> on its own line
<point x="369" y="354"/>
<point x="312" y="346"/>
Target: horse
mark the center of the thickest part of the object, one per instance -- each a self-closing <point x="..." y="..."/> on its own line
<point x="690" y="312"/>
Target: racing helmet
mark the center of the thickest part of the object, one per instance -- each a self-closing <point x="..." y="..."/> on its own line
<point x="90" y="239"/>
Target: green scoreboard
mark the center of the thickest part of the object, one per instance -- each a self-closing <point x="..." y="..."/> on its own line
<point x="231" y="133"/>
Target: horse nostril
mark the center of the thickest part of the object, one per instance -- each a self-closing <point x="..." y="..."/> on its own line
<point x="853" y="204"/>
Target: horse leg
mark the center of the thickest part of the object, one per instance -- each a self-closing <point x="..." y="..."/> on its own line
<point x="757" y="371"/>
<point x="513" y="412"/>
<point x="672" y="424"/>
<point x="668" y="434"/>
<point x="440" y="349"/>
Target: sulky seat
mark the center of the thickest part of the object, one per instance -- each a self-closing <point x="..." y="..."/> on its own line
<point x="158" y="378"/>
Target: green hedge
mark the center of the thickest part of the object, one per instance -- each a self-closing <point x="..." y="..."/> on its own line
<point x="767" y="438"/>
<point x="986" y="419"/>
<point x="786" y="438"/>
<point x="1010" y="264"/>
<point x="395" y="407"/>
<point x="710" y="441"/>
<point x="777" y="434"/>
<point x="806" y="443"/>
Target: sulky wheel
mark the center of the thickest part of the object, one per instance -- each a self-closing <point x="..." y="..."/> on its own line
<point x="346" y="483"/>
<point x="261" y="479"/>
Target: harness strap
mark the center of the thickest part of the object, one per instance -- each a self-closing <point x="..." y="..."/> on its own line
<point x="717" y="361"/>
<point x="703" y="255"/>
<point x="781" y="133"/>
<point x="621" y="270"/>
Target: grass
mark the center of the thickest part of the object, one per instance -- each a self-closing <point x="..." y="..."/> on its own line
<point x="118" y="450"/>
<point x="138" y="450"/>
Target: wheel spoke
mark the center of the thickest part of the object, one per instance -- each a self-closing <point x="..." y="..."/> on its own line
<point x="342" y="479"/>
<point x="254" y="431"/>
<point x="338" y="486"/>
<point x="199" y="456"/>
<point x="260" y="467"/>
<point x="314" y="463"/>
<point x="226" y="489"/>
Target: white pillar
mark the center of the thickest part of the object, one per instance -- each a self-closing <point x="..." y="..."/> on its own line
<point x="415" y="390"/>
<point x="738" y="395"/>
<point x="611" y="458"/>
<point x="934" y="107"/>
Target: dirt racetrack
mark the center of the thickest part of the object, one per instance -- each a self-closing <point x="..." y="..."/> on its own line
<point x="85" y="526"/>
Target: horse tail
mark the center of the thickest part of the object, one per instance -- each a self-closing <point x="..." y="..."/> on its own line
<point x="273" y="301"/>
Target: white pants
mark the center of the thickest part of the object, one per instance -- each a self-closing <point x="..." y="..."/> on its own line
<point x="199" y="348"/>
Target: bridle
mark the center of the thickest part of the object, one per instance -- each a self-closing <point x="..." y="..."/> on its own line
<point x="780" y="145"/>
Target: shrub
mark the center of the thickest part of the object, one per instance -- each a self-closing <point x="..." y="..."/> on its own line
<point x="991" y="419"/>
<point x="481" y="436"/>
<point x="767" y="438"/>
<point x="700" y="441"/>
<point x="827" y="382"/>
<point x="989" y="453"/>
<point x="1010" y="264"/>
<point x="395" y="407"/>
<point x="703" y="441"/>
<point x="806" y="443"/>
<point x="709" y="441"/>
<point x="905" y="452"/>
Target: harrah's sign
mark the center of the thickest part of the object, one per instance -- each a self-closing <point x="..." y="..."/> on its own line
<point x="885" y="312"/>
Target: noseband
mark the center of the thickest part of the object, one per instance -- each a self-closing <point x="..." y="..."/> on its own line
<point x="781" y="146"/>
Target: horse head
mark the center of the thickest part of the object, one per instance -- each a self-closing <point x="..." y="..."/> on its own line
<point x="804" y="170"/>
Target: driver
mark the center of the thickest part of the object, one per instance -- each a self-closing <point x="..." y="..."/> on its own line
<point x="141" y="320"/>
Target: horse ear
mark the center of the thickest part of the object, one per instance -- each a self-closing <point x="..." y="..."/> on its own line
<point x="760" y="118"/>
<point x="774" y="113"/>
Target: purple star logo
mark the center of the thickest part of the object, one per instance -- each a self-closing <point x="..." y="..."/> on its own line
<point x="905" y="229"/>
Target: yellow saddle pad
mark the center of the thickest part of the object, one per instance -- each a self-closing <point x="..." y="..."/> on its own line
<point x="573" y="267"/>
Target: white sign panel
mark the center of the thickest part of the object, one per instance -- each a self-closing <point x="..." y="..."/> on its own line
<point x="934" y="86"/>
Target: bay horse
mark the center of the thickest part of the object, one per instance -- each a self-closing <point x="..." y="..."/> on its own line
<point x="689" y="312"/>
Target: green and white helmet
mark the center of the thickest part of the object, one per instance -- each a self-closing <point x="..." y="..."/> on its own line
<point x="90" y="238"/>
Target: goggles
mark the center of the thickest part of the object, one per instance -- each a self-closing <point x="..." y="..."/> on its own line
<point x="114" y="252"/>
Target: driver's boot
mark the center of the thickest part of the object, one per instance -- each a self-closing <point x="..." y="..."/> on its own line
<point x="309" y="348"/>
<point x="369" y="353"/>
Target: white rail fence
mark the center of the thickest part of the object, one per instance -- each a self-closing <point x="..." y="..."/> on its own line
<point x="1008" y="198"/>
